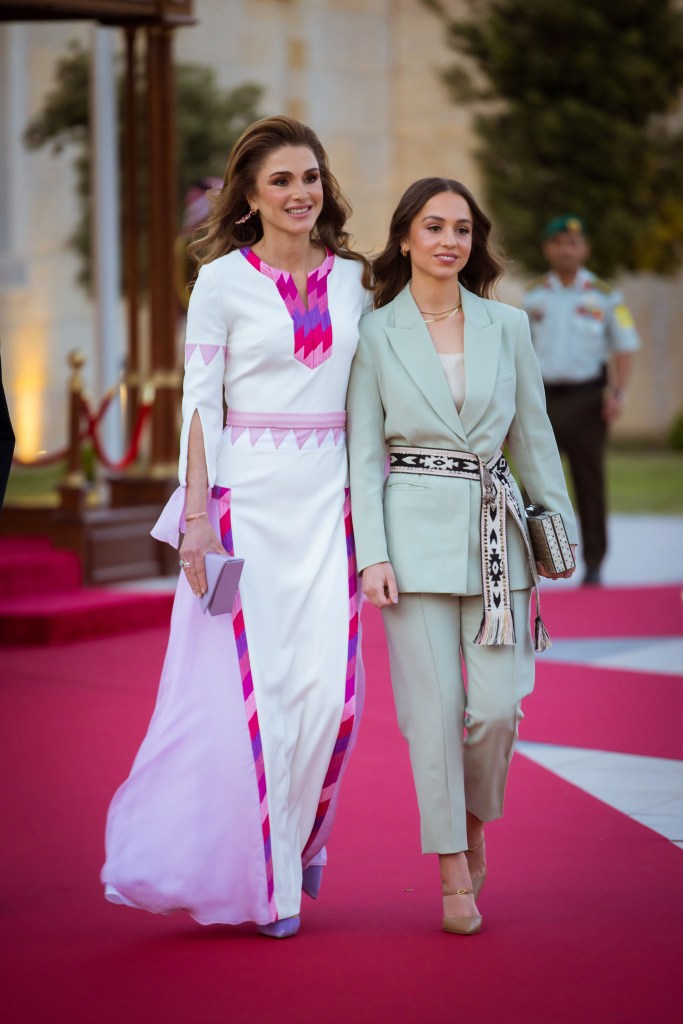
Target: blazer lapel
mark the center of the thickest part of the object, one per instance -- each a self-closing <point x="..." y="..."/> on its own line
<point x="482" y="352"/>
<point x="413" y="345"/>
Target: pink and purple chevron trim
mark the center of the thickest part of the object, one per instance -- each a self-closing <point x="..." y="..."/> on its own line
<point x="222" y="495"/>
<point x="341" y="746"/>
<point x="312" y="326"/>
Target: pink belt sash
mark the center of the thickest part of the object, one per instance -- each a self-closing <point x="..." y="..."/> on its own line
<point x="286" y="420"/>
<point x="280" y="424"/>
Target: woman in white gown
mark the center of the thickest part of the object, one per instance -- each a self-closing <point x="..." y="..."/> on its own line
<point x="231" y="798"/>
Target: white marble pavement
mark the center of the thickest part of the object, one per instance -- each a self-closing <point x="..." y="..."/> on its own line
<point x="643" y="550"/>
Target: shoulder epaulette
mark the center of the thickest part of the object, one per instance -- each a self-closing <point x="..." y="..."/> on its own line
<point x="602" y="286"/>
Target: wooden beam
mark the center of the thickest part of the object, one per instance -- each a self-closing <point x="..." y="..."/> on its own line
<point x="111" y="12"/>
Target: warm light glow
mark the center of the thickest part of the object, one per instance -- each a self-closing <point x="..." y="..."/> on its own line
<point x="27" y="391"/>
<point x="123" y="398"/>
<point x="27" y="417"/>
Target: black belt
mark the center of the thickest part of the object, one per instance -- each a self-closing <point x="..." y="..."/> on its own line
<point x="573" y="387"/>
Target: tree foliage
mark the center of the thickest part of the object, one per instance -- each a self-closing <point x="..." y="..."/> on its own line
<point x="577" y="110"/>
<point x="209" y="120"/>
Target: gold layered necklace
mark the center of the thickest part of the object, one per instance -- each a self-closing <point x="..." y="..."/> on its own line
<point x="436" y="317"/>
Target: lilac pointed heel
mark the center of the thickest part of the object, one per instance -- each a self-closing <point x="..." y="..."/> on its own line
<point x="282" y="929"/>
<point x="312" y="879"/>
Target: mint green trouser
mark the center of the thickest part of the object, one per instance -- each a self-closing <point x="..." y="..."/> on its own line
<point x="461" y="731"/>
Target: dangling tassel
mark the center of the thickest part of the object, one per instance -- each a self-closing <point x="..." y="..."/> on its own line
<point x="497" y="628"/>
<point x="542" y="639"/>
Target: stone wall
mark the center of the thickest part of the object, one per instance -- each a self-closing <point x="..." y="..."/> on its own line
<point x="365" y="74"/>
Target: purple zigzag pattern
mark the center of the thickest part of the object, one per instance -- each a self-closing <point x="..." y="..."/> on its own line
<point x="349" y="713"/>
<point x="312" y="326"/>
<point x="222" y="494"/>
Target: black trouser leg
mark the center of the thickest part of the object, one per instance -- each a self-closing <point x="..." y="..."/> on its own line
<point x="581" y="433"/>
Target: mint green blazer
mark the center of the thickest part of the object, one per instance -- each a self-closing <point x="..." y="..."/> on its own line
<point x="428" y="526"/>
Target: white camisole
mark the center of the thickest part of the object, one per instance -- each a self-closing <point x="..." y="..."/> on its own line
<point x="454" y="368"/>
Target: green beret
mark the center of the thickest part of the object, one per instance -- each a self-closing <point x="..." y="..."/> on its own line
<point x="567" y="222"/>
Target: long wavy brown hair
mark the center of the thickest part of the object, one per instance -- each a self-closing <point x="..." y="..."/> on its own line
<point x="220" y="233"/>
<point x="392" y="271"/>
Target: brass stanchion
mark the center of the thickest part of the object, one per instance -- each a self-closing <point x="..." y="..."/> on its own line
<point x="73" y="488"/>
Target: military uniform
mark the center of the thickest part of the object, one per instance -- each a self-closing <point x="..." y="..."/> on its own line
<point x="575" y="330"/>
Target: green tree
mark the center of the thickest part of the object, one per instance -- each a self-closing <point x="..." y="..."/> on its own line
<point x="577" y="110"/>
<point x="209" y="120"/>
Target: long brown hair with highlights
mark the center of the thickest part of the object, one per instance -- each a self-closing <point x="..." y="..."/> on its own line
<point x="221" y="233"/>
<point x="392" y="271"/>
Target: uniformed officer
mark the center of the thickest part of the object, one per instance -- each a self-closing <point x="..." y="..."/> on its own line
<point x="584" y="338"/>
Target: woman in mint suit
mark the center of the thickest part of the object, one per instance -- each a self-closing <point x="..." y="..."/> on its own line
<point x="442" y="378"/>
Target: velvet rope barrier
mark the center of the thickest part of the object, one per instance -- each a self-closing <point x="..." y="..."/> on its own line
<point x="134" y="447"/>
<point x="90" y="431"/>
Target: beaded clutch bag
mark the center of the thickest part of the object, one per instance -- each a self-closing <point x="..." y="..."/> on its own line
<point x="549" y="539"/>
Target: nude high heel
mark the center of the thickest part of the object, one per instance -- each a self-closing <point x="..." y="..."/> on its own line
<point x="461" y="925"/>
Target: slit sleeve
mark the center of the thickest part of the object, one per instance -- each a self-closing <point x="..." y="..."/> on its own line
<point x="206" y="342"/>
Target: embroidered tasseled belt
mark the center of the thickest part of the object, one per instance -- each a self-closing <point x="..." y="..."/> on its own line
<point x="498" y="500"/>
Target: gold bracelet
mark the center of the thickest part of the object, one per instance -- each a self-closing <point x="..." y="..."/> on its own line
<point x="194" y="515"/>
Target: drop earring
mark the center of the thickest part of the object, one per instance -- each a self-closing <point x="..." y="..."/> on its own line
<point x="246" y="217"/>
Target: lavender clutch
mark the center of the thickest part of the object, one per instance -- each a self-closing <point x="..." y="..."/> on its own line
<point x="222" y="577"/>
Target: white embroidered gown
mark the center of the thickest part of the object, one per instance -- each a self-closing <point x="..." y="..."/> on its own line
<point x="235" y="785"/>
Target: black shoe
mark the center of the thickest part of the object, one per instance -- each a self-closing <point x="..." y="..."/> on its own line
<point x="591" y="578"/>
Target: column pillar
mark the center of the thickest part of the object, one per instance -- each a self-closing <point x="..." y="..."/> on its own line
<point x="162" y="205"/>
<point x="106" y="247"/>
<point x="131" y="230"/>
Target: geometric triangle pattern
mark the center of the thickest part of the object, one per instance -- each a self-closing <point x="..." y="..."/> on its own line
<point x="312" y="325"/>
<point x="207" y="352"/>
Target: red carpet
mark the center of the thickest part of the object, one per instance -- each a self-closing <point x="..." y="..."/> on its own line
<point x="64" y="617"/>
<point x="582" y="913"/>
<point x="42" y="601"/>
<point x="613" y="611"/>
<point x="606" y="709"/>
<point x="30" y="565"/>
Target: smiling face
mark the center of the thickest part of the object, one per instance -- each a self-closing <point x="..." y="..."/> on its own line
<point x="440" y="238"/>
<point x="288" y="192"/>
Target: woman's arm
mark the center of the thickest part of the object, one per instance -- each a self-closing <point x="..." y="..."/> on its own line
<point x="532" y="442"/>
<point x="206" y="341"/>
<point x="367" y="458"/>
<point x="200" y="537"/>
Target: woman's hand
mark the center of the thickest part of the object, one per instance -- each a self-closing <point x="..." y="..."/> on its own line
<point x="199" y="539"/>
<point x="558" y="575"/>
<point x="379" y="584"/>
